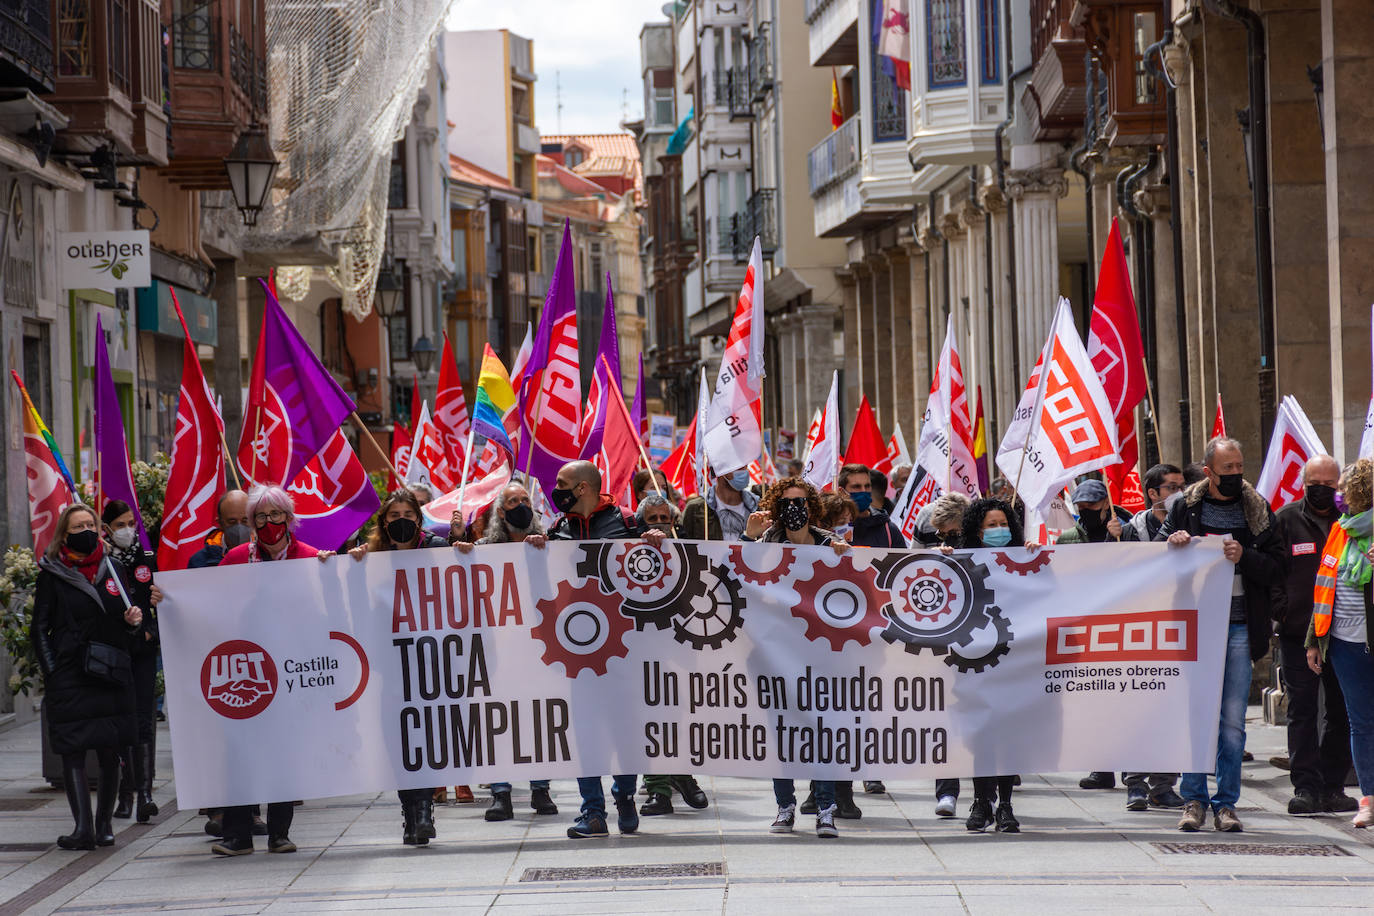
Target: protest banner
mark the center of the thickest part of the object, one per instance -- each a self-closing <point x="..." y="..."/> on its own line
<point x="418" y="668"/>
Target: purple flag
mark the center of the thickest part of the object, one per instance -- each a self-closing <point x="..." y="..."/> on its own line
<point x="637" y="416"/>
<point x="607" y="360"/>
<point x="551" y="399"/>
<point x="114" y="478"/>
<point x="610" y="337"/>
<point x="294" y="405"/>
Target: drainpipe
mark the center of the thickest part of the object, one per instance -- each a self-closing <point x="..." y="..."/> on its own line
<point x="1075" y="163"/>
<point x="1000" y="166"/>
<point x="1143" y="252"/>
<point x="987" y="282"/>
<point x="1256" y="67"/>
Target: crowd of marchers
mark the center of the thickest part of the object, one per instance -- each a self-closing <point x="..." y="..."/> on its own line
<point x="1302" y="581"/>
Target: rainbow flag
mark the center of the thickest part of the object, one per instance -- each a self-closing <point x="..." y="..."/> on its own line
<point x="494" y="404"/>
<point x="46" y="435"/>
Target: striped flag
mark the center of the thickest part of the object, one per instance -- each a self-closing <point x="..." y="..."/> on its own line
<point x="494" y="408"/>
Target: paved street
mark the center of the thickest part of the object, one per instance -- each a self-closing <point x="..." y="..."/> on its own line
<point x="1080" y="852"/>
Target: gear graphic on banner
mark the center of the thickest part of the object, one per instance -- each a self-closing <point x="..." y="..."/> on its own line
<point x="655" y="584"/>
<point x="840" y="603"/>
<point x="716" y="616"/>
<point x="1035" y="561"/>
<point x="747" y="573"/>
<point x="582" y="627"/>
<point x="985" y="648"/>
<point x="934" y="601"/>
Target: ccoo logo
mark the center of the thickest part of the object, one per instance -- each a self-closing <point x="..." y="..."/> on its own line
<point x="238" y="679"/>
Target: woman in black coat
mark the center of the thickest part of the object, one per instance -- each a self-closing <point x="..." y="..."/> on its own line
<point x="137" y="565"/>
<point x="82" y="632"/>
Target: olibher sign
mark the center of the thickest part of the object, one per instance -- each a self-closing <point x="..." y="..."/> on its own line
<point x="104" y="260"/>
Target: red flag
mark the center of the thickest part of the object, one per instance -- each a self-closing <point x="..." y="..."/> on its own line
<point x="451" y="411"/>
<point x="400" y="454"/>
<point x="619" y="453"/>
<point x="48" y="493"/>
<point x="195" y="479"/>
<point x="866" y="445"/>
<point x="1219" y="421"/>
<point x="1118" y="356"/>
<point x="333" y="495"/>
<point x="680" y="466"/>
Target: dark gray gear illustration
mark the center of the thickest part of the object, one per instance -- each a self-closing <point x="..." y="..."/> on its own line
<point x="936" y="601"/>
<point x="656" y="584"/>
<point x="715" y="617"/>
<point x="967" y="662"/>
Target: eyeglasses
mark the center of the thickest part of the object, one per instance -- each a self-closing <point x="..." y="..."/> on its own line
<point x="276" y="515"/>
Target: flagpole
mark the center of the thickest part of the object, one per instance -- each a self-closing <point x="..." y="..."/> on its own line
<point x="467" y="465"/>
<point x="375" y="444"/>
<point x="702" y="476"/>
<point x="1154" y="414"/>
<point x="1046" y="357"/>
<point x="229" y="459"/>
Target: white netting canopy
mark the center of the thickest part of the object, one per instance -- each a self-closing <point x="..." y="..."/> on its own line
<point x="342" y="78"/>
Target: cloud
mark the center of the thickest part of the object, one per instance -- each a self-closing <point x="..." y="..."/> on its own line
<point x="592" y="47"/>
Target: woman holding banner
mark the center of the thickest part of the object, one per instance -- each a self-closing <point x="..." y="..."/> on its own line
<point x="797" y="507"/>
<point x="398" y="528"/>
<point x="272" y="515"/>
<point x="82" y="631"/>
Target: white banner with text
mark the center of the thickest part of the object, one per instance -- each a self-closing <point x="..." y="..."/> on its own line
<point x="419" y="668"/>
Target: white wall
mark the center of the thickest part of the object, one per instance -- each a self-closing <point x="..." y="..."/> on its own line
<point x="476" y="101"/>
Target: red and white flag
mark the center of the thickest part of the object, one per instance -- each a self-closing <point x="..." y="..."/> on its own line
<point x="897" y="454"/>
<point x="813" y="432"/>
<point x="1063" y="425"/>
<point x="1292" y="445"/>
<point x="618" y="455"/>
<point x="822" y="460"/>
<point x="334" y="496"/>
<point x="680" y="465"/>
<point x="945" y="449"/>
<point x="451" y="410"/>
<point x="731" y="428"/>
<point x="1218" y="421"/>
<point x="400" y="454"/>
<point x="195" y="479"/>
<point x="1119" y="358"/>
<point x="428" y="465"/>
<point x="487" y="479"/>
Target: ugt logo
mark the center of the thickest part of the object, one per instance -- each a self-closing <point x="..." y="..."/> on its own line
<point x="238" y="679"/>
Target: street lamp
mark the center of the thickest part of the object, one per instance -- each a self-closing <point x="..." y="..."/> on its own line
<point x="422" y="355"/>
<point x="251" y="165"/>
<point x="389" y="294"/>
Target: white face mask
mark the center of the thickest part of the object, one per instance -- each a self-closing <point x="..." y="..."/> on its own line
<point x="124" y="538"/>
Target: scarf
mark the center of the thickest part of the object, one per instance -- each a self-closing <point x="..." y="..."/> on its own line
<point x="1354" y="569"/>
<point x="89" y="566"/>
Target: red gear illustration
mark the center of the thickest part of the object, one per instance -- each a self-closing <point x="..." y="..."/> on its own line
<point x="571" y="603"/>
<point x="854" y="615"/>
<point x="925" y="594"/>
<point x="644" y="568"/>
<point x="1038" y="561"/>
<point x="935" y="601"/>
<point x="746" y="573"/>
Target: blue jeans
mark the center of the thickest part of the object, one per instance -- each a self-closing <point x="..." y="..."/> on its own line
<point x="784" y="792"/>
<point x="1235" y="695"/>
<point x="1355" y="670"/>
<point x="594" y="795"/>
<point x="505" y="786"/>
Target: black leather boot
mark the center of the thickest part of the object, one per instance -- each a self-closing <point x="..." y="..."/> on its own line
<point x="106" y="788"/>
<point x="408" y="821"/>
<point x="79" y="797"/>
<point x="143" y="782"/>
<point x="500" y="808"/>
<point x="844" y="801"/>
<point x="424" y="821"/>
<point x="127" y="782"/>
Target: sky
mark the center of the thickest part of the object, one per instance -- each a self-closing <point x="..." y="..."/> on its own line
<point x="592" y="45"/>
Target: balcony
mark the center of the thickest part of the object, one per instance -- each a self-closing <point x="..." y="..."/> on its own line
<point x="833" y="27"/>
<point x="1055" y="100"/>
<point x="834" y="158"/>
<point x="526" y="138"/>
<point x="723" y="275"/>
<point x="26" y="54"/>
<point x="758" y="219"/>
<point x="521" y="58"/>
<point x="218" y="86"/>
<point x="721" y="14"/>
<point x="845" y="178"/>
<point x="760" y="64"/>
<point x="732" y="92"/>
<point x="958" y="97"/>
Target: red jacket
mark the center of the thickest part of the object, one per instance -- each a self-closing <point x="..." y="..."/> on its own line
<point x="296" y="550"/>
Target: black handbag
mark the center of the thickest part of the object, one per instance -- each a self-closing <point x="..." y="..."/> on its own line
<point x="109" y="663"/>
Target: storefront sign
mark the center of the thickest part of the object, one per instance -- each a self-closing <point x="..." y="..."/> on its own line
<point x="104" y="260"/>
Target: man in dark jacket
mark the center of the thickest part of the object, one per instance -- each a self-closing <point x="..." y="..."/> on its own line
<point x="1099" y="521"/>
<point x="590" y="515"/>
<point x="232" y="516"/>
<point x="1160" y="482"/>
<point x="1225" y="505"/>
<point x="872" y="528"/>
<point x="1319" y="758"/>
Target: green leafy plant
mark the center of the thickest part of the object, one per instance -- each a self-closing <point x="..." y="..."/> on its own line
<point x="150" y="481"/>
<point x="17" y="581"/>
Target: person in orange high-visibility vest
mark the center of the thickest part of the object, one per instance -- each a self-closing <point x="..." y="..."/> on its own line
<point x="1341" y="602"/>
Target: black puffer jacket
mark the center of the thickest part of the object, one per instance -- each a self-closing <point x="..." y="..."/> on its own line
<point x="139" y="565"/>
<point x="1260" y="561"/>
<point x="606" y="523"/>
<point x="877" y="530"/>
<point x="68" y="614"/>
<point x="1304" y="535"/>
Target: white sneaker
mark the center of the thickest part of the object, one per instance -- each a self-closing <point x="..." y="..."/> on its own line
<point x="787" y="817"/>
<point x="1365" y="816"/>
<point x="825" y="823"/>
<point x="946" y="806"/>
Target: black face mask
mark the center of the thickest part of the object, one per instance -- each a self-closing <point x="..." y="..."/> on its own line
<point x="563" y="500"/>
<point x="83" y="542"/>
<point x="953" y="539"/>
<point x="1230" y="485"/>
<point x="792" y="513"/>
<point x="1093" y="522"/>
<point x="402" y="530"/>
<point x="235" y="535"/>
<point x="1320" y="497"/>
<point x="519" y="516"/>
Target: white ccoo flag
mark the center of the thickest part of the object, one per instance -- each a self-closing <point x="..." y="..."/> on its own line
<point x="945" y="449"/>
<point x="1293" y="444"/>
<point x="733" y="434"/>
<point x="823" y="458"/>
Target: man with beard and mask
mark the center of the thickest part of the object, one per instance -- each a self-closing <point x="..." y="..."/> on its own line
<point x="512" y="520"/>
<point x="136" y="762"/>
<point x="231" y="517"/>
<point x="1319" y="756"/>
<point x="731" y="501"/>
<point x="1225" y="505"/>
<point x="590" y="515"/>
<point x="1098" y="520"/>
<point x="1101" y="522"/>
